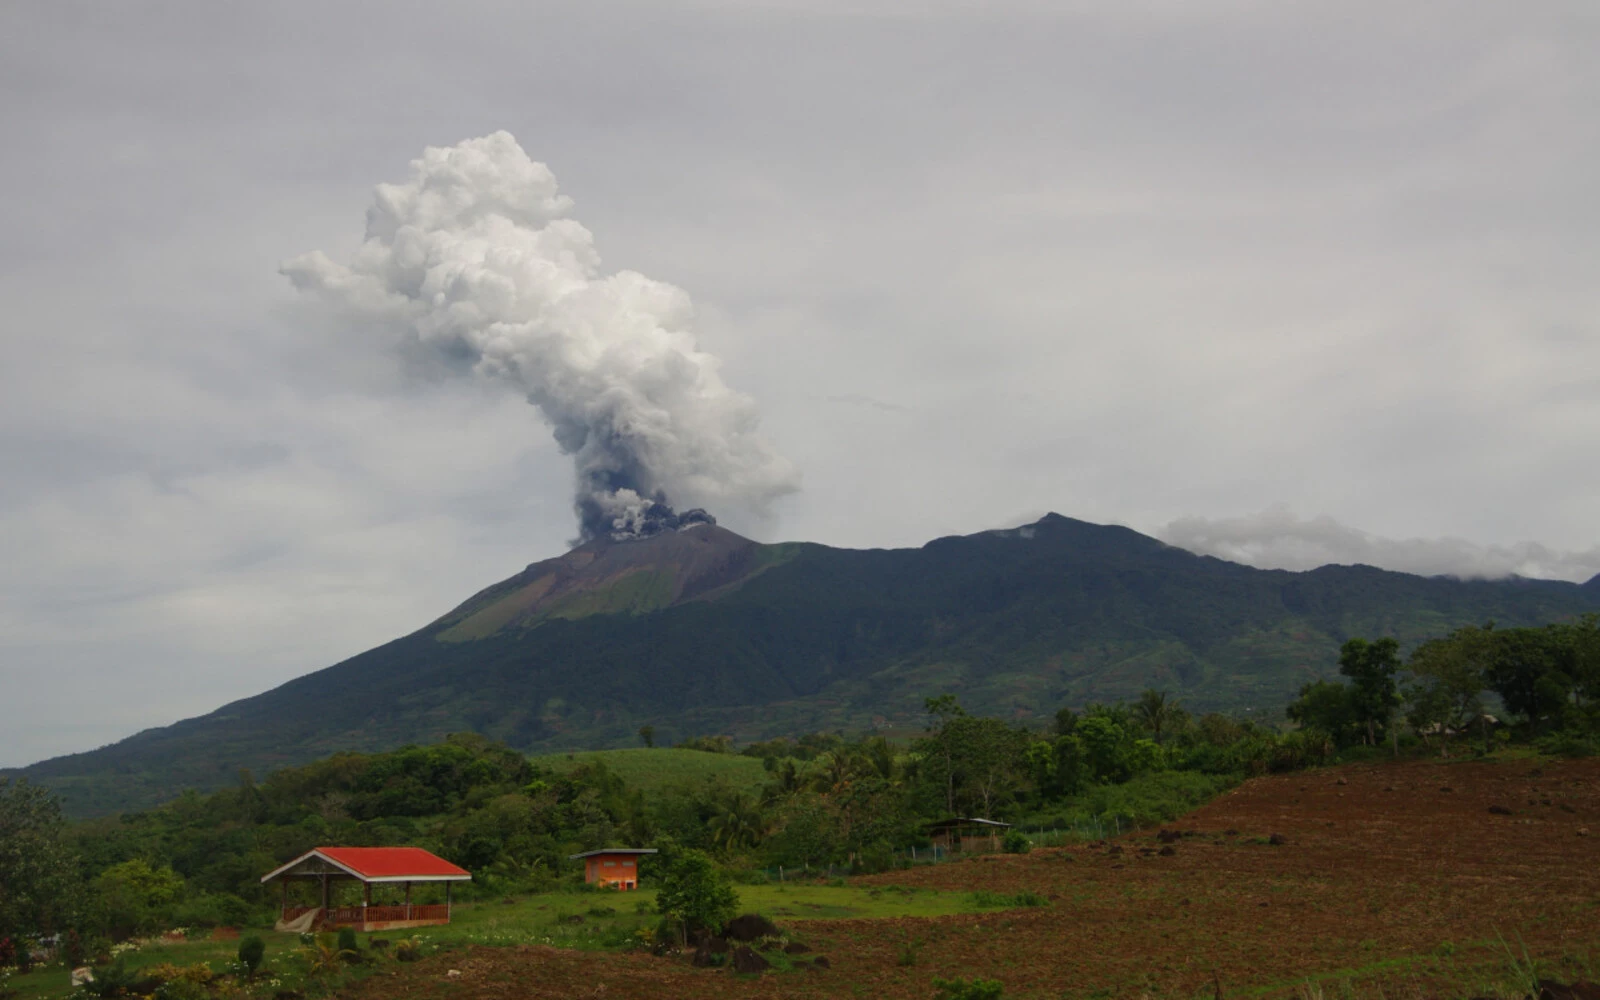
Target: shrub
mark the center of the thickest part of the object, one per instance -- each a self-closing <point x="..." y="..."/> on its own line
<point x="111" y="980"/>
<point x="695" y="892"/>
<point x="964" y="989"/>
<point x="409" y="949"/>
<point x="251" y="950"/>
<point x="1016" y="842"/>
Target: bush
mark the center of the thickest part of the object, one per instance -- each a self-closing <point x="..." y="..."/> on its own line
<point x="1016" y="842"/>
<point x="251" y="951"/>
<point x="974" y="989"/>
<point x="349" y="945"/>
<point x="694" y="892"/>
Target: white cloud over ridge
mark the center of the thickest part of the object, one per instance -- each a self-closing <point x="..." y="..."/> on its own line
<point x="1277" y="538"/>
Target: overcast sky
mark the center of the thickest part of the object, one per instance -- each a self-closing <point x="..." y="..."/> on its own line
<point x="1280" y="281"/>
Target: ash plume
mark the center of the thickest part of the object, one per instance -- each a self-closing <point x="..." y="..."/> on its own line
<point x="474" y="261"/>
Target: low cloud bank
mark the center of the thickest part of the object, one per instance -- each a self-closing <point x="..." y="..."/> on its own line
<point x="1278" y="539"/>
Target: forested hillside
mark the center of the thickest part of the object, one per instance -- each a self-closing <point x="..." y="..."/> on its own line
<point x="802" y="637"/>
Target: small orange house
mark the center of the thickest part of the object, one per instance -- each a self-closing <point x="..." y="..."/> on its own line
<point x="613" y="867"/>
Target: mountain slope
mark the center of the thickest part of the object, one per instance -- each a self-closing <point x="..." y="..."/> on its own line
<point x="703" y="631"/>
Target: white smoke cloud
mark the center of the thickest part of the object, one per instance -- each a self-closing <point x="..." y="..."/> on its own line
<point x="1277" y="539"/>
<point x="475" y="260"/>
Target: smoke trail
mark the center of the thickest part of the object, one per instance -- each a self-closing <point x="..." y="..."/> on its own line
<point x="474" y="260"/>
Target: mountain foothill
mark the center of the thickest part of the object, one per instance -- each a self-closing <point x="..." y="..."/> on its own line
<point x="701" y="631"/>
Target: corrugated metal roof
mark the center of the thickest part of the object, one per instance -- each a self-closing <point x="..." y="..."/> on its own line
<point x="382" y="864"/>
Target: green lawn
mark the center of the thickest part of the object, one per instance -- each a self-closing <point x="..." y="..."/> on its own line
<point x="659" y="770"/>
<point x="590" y="920"/>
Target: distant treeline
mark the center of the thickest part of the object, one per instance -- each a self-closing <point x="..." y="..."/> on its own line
<point x="827" y="800"/>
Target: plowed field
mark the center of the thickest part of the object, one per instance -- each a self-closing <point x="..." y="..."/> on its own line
<point x="1392" y="881"/>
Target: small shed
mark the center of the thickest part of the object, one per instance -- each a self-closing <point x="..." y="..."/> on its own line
<point x="380" y="866"/>
<point x="965" y="833"/>
<point x="613" y="867"/>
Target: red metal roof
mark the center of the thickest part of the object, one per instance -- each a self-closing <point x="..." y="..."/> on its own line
<point x="392" y="862"/>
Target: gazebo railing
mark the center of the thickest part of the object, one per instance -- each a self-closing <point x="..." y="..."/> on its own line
<point x="358" y="915"/>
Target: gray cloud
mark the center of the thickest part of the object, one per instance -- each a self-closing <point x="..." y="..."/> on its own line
<point x="1132" y="262"/>
<point x="1278" y="539"/>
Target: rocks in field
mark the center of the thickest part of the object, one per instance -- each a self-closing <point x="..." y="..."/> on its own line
<point x="795" y="948"/>
<point x="821" y="962"/>
<point x="750" y="927"/>
<point x="1167" y="852"/>
<point x="1167" y="836"/>
<point x="1550" y="989"/>
<point x="1277" y="840"/>
<point x="746" y="959"/>
<point x="1499" y="810"/>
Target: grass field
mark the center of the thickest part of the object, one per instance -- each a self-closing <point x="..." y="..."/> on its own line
<point x="1387" y="882"/>
<point x="586" y="921"/>
<point x="662" y="769"/>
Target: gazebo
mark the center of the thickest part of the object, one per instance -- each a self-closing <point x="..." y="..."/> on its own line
<point x="370" y="866"/>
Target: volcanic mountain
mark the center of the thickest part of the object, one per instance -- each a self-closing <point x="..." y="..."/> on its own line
<point x="697" y="630"/>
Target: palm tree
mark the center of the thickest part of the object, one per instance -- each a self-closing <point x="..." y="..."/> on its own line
<point x="1155" y="712"/>
<point x="736" y="823"/>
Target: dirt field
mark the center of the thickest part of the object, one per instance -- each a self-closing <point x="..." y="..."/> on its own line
<point x="1392" y="882"/>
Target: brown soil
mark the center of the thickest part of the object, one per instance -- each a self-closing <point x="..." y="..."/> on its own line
<point x="1395" y="877"/>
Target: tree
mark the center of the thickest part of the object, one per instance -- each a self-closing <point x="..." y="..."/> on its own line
<point x="1371" y="667"/>
<point x="1328" y="706"/>
<point x="943" y="709"/>
<point x="695" y="893"/>
<point x="1155" y="712"/>
<point x="1525" y="671"/>
<point x="648" y="734"/>
<point x="251" y="950"/>
<point x="39" y="885"/>
<point x="975" y="760"/>
<point x="1102" y="740"/>
<point x="1448" y="695"/>
<point x="136" y="896"/>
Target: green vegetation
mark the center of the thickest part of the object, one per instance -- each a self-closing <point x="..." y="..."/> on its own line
<point x="965" y="989"/>
<point x="693" y="893"/>
<point x="804" y="637"/>
<point x="665" y="771"/>
<point x="736" y="829"/>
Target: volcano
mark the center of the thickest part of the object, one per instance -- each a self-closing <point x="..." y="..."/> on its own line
<point x="697" y="630"/>
<point x="631" y="575"/>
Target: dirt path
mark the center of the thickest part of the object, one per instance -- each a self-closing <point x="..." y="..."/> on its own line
<point x="1394" y="876"/>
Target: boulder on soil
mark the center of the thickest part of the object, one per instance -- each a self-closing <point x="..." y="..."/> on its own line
<point x="1499" y="811"/>
<point x="821" y="962"/>
<point x="1167" y="836"/>
<point x="1549" y="989"/>
<point x="745" y="959"/>
<point x="1167" y="852"/>
<point x="795" y="948"/>
<point x="750" y="927"/>
<point x="1277" y="840"/>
